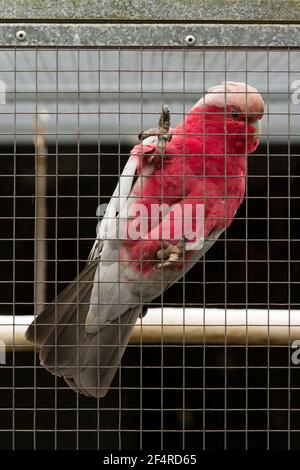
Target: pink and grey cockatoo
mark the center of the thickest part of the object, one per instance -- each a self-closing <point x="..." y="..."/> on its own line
<point x="83" y="333"/>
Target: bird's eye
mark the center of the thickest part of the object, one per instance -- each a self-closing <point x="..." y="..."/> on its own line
<point x="235" y="112"/>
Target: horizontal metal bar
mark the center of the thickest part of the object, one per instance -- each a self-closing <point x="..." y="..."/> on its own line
<point x="152" y="10"/>
<point x="158" y="35"/>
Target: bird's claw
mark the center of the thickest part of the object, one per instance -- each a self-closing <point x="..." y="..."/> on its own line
<point x="162" y="131"/>
<point x="155" y="132"/>
<point x="170" y="253"/>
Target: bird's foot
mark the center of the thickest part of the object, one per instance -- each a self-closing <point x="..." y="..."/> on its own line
<point x="170" y="253"/>
<point x="161" y="132"/>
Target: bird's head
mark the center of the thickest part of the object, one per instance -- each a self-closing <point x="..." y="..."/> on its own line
<point x="239" y="102"/>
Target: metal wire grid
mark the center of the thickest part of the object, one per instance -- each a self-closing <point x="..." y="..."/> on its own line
<point x="180" y="396"/>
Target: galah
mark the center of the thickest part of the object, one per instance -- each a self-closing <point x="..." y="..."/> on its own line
<point x="83" y="333"/>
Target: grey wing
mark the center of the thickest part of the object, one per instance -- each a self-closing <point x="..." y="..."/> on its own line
<point x="112" y="295"/>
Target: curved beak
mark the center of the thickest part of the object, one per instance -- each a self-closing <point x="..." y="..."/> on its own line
<point x="257" y="125"/>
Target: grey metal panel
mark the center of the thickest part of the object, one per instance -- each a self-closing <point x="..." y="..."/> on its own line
<point x="153" y="10"/>
<point x="159" y="35"/>
<point x="117" y="93"/>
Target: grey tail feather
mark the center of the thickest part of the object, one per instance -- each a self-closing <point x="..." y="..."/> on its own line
<point x="88" y="362"/>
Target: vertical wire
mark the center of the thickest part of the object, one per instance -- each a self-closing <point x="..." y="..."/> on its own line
<point x="184" y="262"/>
<point x="225" y="254"/>
<point x="204" y="263"/>
<point x="56" y="248"/>
<point x="77" y="245"/>
<point x="98" y="204"/>
<point x="289" y="243"/>
<point x="14" y="255"/>
<point x="268" y="253"/>
<point x="119" y="242"/>
<point x="36" y="306"/>
<point x="246" y="273"/>
<point x="141" y="269"/>
<point x="162" y="295"/>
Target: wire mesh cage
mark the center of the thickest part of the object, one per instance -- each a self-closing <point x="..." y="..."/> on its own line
<point x="210" y="366"/>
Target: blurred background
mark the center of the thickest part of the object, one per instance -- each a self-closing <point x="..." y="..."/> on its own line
<point x="94" y="103"/>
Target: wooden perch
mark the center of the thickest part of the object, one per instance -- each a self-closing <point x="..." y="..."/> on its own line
<point x="188" y="326"/>
<point x="40" y="276"/>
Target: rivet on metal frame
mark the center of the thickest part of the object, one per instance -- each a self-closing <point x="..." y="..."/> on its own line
<point x="21" y="36"/>
<point x="190" y="40"/>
